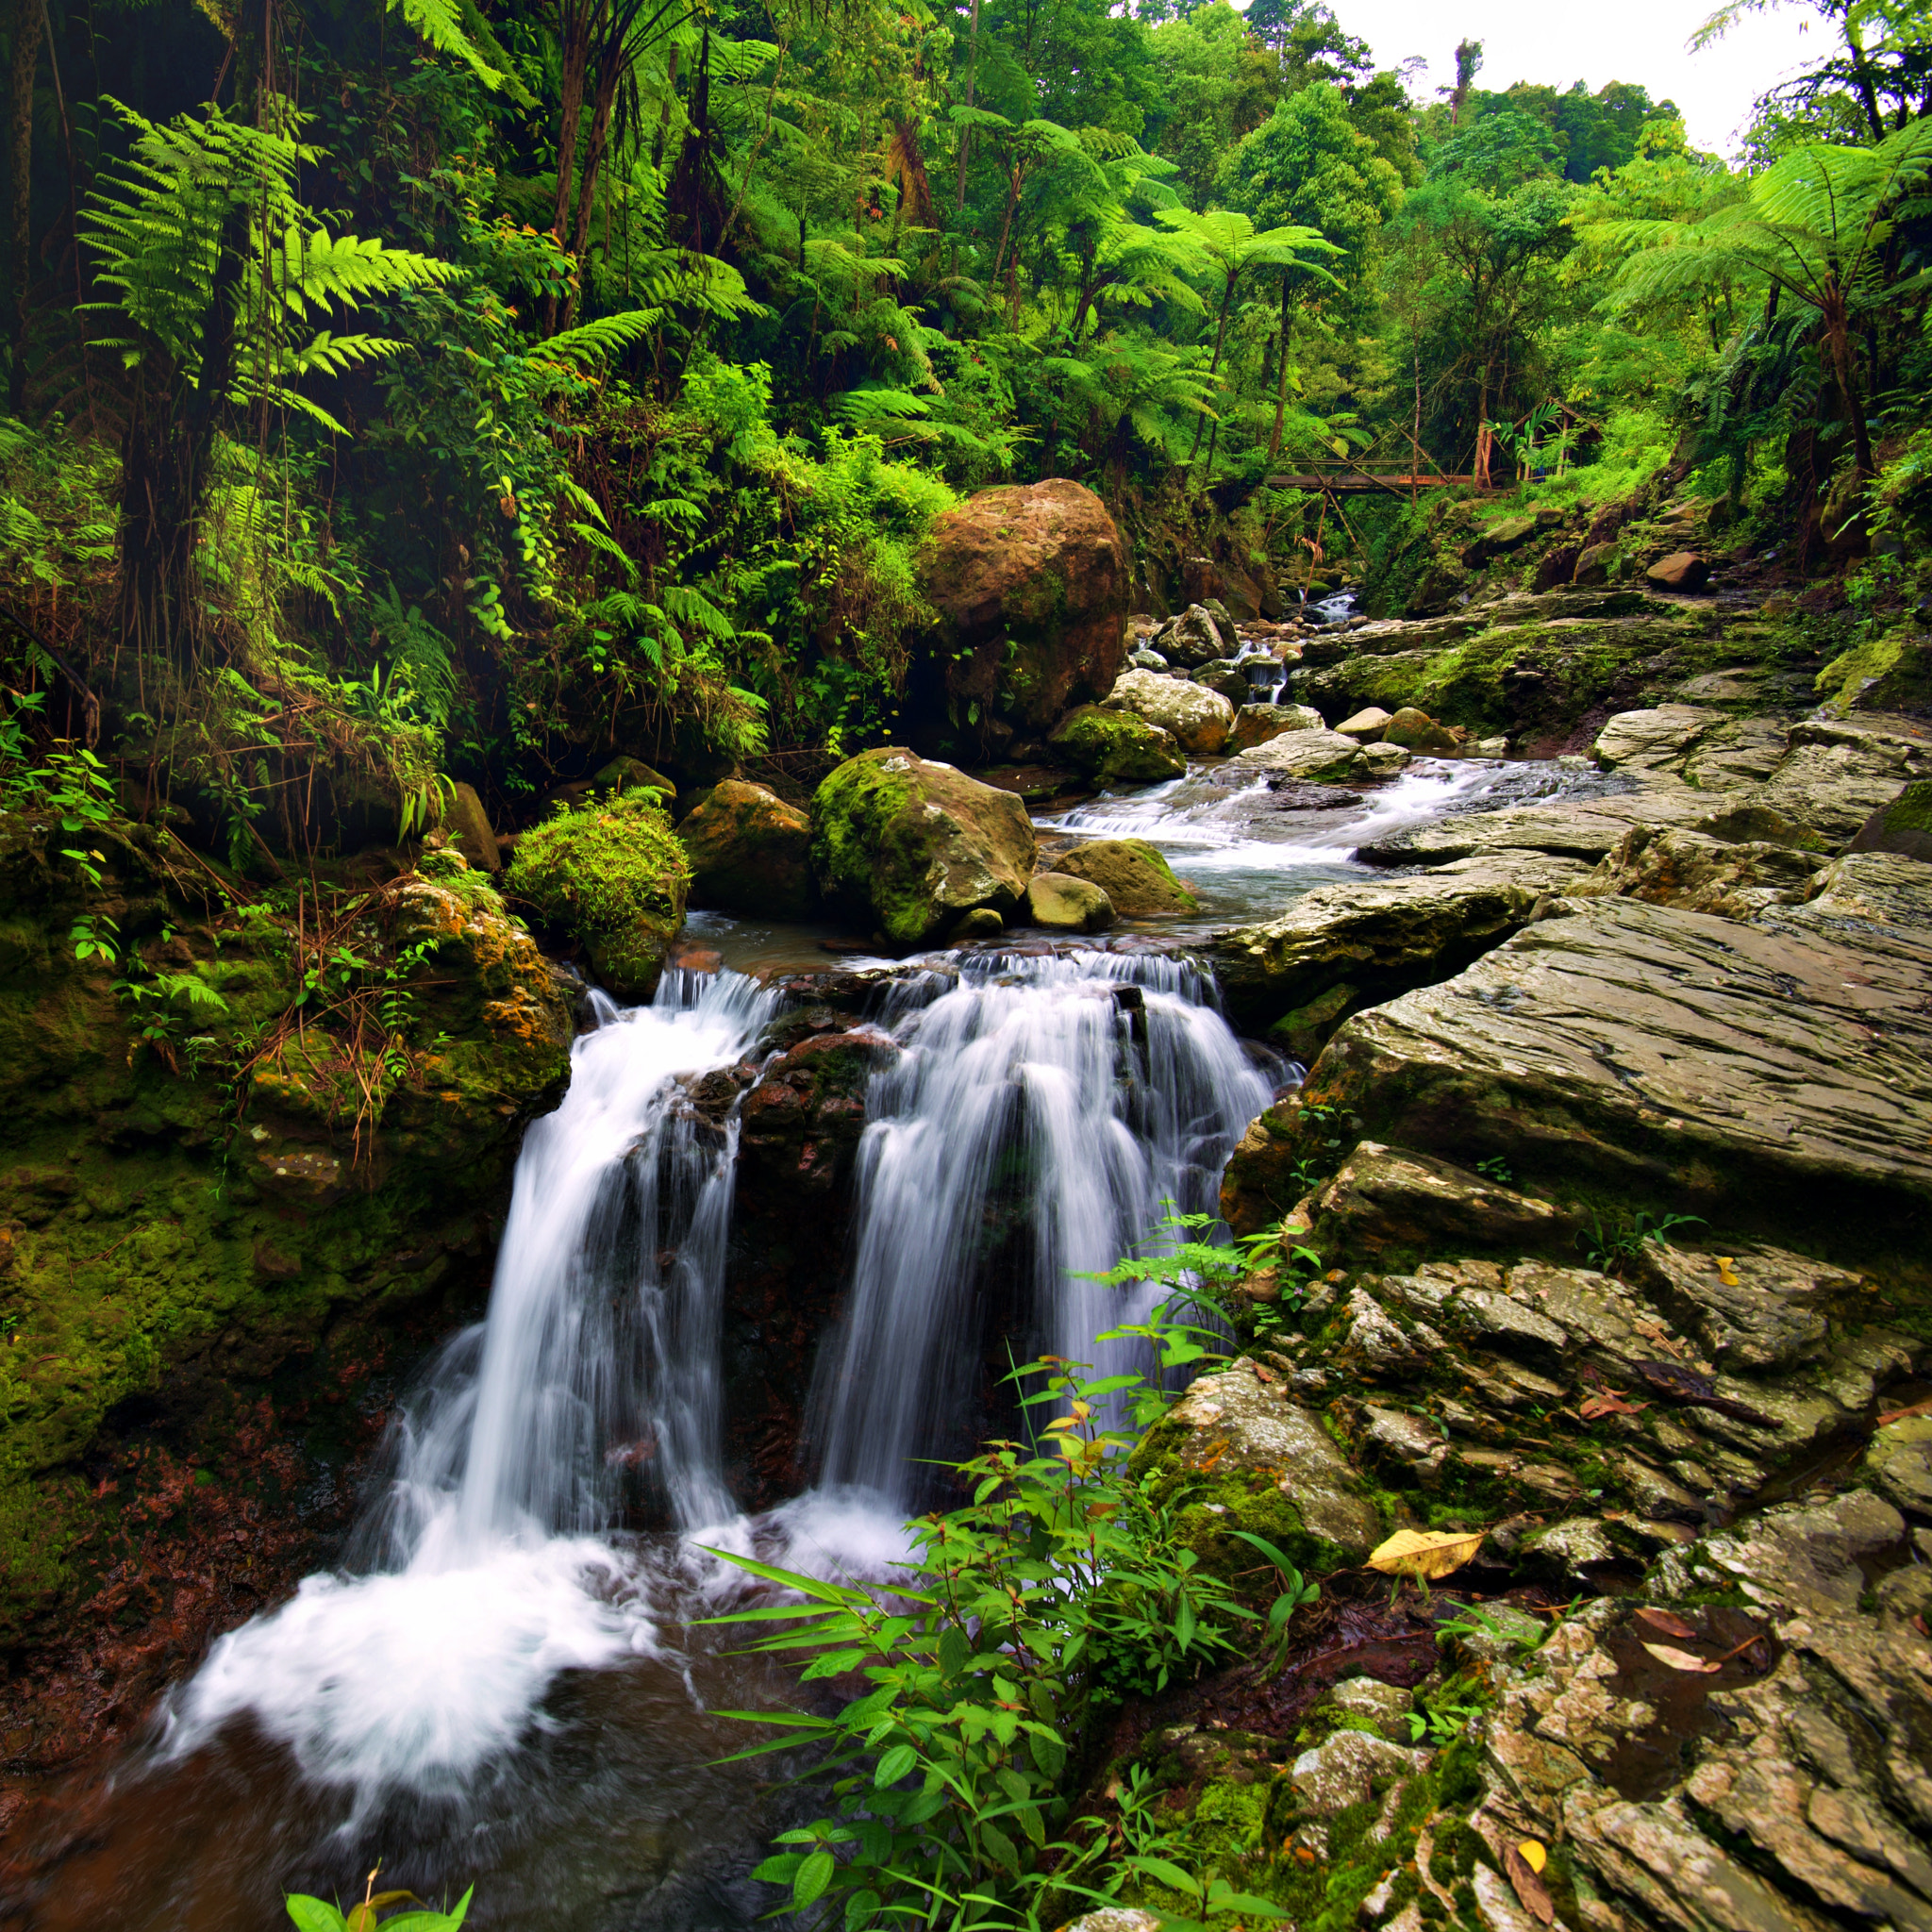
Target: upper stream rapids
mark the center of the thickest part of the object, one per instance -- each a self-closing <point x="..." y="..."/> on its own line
<point x="503" y="1683"/>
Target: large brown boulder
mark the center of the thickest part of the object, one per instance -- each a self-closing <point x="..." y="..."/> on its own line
<point x="1029" y="583"/>
<point x="750" y="852"/>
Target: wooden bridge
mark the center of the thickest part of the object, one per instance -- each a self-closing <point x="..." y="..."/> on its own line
<point x="1397" y="479"/>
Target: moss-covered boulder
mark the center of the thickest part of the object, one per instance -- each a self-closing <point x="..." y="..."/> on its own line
<point x="614" y="877"/>
<point x="1201" y="720"/>
<point x="750" y="852"/>
<point x="1116" y="747"/>
<point x="909" y="844"/>
<point x="1028" y="583"/>
<point x="197" y="1190"/>
<point x="1416" y="731"/>
<point x="1133" y="876"/>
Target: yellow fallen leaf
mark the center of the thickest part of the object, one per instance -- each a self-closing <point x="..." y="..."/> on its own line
<point x="1679" y="1659"/>
<point x="1426" y="1552"/>
<point x="1533" y="1853"/>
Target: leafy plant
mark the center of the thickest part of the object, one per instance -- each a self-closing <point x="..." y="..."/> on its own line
<point x="1610" y="1246"/>
<point x="317" y="1915"/>
<point x="1025" y="1615"/>
<point x="1296" y="1591"/>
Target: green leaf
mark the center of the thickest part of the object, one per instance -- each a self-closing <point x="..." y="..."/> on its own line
<point x="896" y="1763"/>
<point x="1049" y="1753"/>
<point x="313" y="1915"/>
<point x="1001" y="1849"/>
<point x="813" y="1876"/>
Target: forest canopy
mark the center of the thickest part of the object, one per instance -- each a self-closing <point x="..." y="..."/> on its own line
<point x="470" y="389"/>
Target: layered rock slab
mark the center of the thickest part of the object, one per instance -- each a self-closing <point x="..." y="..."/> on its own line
<point x="1758" y="1076"/>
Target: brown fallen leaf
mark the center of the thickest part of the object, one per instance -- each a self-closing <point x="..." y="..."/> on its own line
<point x="1262" y="1375"/>
<point x="1667" y="1621"/>
<point x="1529" y="1888"/>
<point x="1681" y="1659"/>
<point x="1609" y="1402"/>
<point x="1653" y="1333"/>
<point x="1898" y="1415"/>
<point x="1426" y="1552"/>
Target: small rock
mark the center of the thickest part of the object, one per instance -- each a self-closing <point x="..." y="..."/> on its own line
<point x="1257" y="723"/>
<point x="1147" y="661"/>
<point x="1344" y="1769"/>
<point x="1417" y="732"/>
<point x="982" y="923"/>
<point x="1382" y="760"/>
<point x="1133" y="874"/>
<point x="1899" y="1463"/>
<point x="1062" y="903"/>
<point x="1386" y="1706"/>
<point x="1682" y="569"/>
<point x="1367" y="726"/>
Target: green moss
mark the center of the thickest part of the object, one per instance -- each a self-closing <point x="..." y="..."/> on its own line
<point x="613" y="876"/>
<point x="1116" y="747"/>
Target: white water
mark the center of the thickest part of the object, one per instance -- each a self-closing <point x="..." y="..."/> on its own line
<point x="1033" y="1129"/>
<point x="597" y="1367"/>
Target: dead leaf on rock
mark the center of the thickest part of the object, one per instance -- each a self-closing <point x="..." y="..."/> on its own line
<point x="1681" y="1659"/>
<point x="1426" y="1552"/>
<point x="1529" y="1888"/>
<point x="1898" y="1415"/>
<point x="1667" y="1621"/>
<point x="1609" y="1402"/>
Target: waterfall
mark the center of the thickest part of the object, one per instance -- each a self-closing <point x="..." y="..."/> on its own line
<point x="1042" y="1113"/>
<point x="477" y="1573"/>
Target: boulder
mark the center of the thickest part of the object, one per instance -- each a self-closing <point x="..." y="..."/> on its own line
<point x="1416" y="731"/>
<point x="1386" y="935"/>
<point x="1232" y="684"/>
<point x="1682" y="569"/>
<point x="1367" y="726"/>
<point x="1278" y="1472"/>
<point x="1117" y="747"/>
<point x="1701" y="874"/>
<point x="1498" y="539"/>
<point x="1029" y="583"/>
<point x="468" y="827"/>
<point x="1257" y="723"/>
<point x="750" y="852"/>
<point x="1646" y="740"/>
<point x="1385" y="1198"/>
<point x="1201" y="720"/>
<point x="911" y="844"/>
<point x="632" y="774"/>
<point x="1062" y="903"/>
<point x="1308" y="756"/>
<point x="1904" y="826"/>
<point x="1192" y="638"/>
<point x="1132" y="874"/>
<point x="1223" y="623"/>
<point x="1673" y="1059"/>
<point x="1594" y="564"/>
<point x="612" y="876"/>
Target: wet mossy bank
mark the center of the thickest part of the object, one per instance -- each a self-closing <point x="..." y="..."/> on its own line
<point x="202" y="1192"/>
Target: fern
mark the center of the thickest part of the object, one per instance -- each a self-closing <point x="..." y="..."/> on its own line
<point x="457" y="28"/>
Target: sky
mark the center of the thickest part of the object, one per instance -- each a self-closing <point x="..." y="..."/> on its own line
<point x="1557" y="41"/>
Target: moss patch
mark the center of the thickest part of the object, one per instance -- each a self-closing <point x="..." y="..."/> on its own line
<point x="613" y="876"/>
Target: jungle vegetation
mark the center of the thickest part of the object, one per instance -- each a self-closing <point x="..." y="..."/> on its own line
<point x="470" y="389"/>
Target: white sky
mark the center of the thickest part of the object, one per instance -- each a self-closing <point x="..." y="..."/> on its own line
<point x="1557" y="41"/>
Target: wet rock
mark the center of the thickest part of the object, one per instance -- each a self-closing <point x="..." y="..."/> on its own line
<point x="1587" y="828"/>
<point x="1192" y="637"/>
<point x="1366" y="725"/>
<point x="1030" y="585"/>
<point x="1660" y="737"/>
<point x="1682" y="569"/>
<point x="1116" y="747"/>
<point x="1416" y="731"/>
<point x="1382" y="760"/>
<point x="1382" y="935"/>
<point x="911" y="844"/>
<point x="1133" y="875"/>
<point x="1690" y="870"/>
<point x="1345" y="1769"/>
<point x="1200" y="720"/>
<point x="1257" y="723"/>
<point x="1229" y="680"/>
<point x="1727" y="1068"/>
<point x="1238" y="1426"/>
<point x="982" y="923"/>
<point x="1308" y="756"/>
<point x="469" y="829"/>
<point x="1385" y="1198"/>
<point x="750" y="852"/>
<point x="1063" y="903"/>
<point x="1898" y="1464"/>
<point x="1904" y="825"/>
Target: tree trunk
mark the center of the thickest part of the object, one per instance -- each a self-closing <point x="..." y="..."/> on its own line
<point x="27" y="17"/>
<point x="1844" y="366"/>
<point x="578" y="20"/>
<point x="971" y="93"/>
<point x="1281" y="379"/>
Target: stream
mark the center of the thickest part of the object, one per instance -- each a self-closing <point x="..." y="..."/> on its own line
<point x="500" y="1688"/>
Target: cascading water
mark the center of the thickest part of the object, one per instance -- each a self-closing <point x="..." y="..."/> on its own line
<point x="1040" y="1114"/>
<point x="597" y="1369"/>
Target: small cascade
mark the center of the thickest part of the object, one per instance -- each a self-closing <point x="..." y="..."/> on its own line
<point x="477" y="1574"/>
<point x="1043" y="1112"/>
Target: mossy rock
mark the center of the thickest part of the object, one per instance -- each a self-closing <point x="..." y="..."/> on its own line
<point x="1904" y="826"/>
<point x="1116" y="747"/>
<point x="911" y="846"/>
<point x="1133" y="876"/>
<point x="613" y="876"/>
<point x="750" y="852"/>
